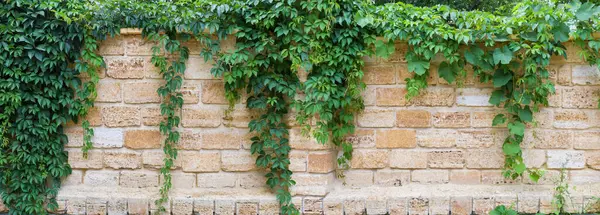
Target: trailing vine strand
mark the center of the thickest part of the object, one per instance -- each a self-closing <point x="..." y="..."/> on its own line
<point x="301" y="57"/>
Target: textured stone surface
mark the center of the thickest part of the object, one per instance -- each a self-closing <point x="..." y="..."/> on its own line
<point x="143" y="139"/>
<point x="141" y="92"/>
<point x="396" y="138"/>
<point x="201" y="118"/>
<point x="413" y="118"/>
<point x="121" y="116"/>
<point x="369" y="159"/>
<point x="451" y="119"/>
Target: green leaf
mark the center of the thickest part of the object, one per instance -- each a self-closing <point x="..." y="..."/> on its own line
<point x="499" y="119"/>
<point x="497" y="97"/>
<point x="474" y="55"/>
<point x="561" y="32"/>
<point x="585" y="11"/>
<point x="525" y="114"/>
<point x="446" y="71"/>
<point x="501" y="77"/>
<point x="502" y="55"/>
<point x="520" y="168"/>
<point x="384" y="50"/>
<point x="516" y="128"/>
<point x="511" y="149"/>
<point x="419" y="67"/>
<point x="364" y="21"/>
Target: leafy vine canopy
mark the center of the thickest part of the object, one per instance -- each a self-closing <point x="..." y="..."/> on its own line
<point x="304" y="57"/>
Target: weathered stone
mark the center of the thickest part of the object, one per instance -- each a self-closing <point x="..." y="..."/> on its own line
<point x="446" y="159"/>
<point x="418" y="206"/>
<point x="392" y="178"/>
<point x="483" y="205"/>
<point x="122" y="159"/>
<point x="377" y="118"/>
<point x="496" y="177"/>
<point x="139" y="179"/>
<point x="107" y="138"/>
<point x="451" y="119"/>
<point x="196" y="68"/>
<point x="151" y="116"/>
<point x="548" y="139"/>
<point x="385" y="74"/>
<point x="141" y="92"/>
<point x="213" y="92"/>
<point x="430" y="176"/>
<point x="94" y="160"/>
<point x="143" y="139"/>
<point x="216" y="180"/>
<point x="566" y="159"/>
<point x="586" y="140"/>
<point x="435" y="96"/>
<point x="111" y="46"/>
<point x="391" y="97"/>
<point x="461" y="205"/>
<point x="368" y="159"/>
<point x="101" y="178"/>
<point x="408" y="159"/>
<point x="465" y="177"/>
<point x="322" y="162"/>
<point x="362" y="138"/>
<point x="413" y="118"/>
<point x="436" y="138"/>
<point x="484" y="159"/>
<point x="121" y="116"/>
<point x="126" y="67"/>
<point x="247" y="208"/>
<point x="396" y="138"/>
<point x="298" y="161"/>
<point x="474" y="97"/>
<point x="210" y="118"/>
<point x="571" y="119"/>
<point x="108" y="91"/>
<point x="580" y="97"/>
<point x="240" y="160"/>
<point x="586" y="75"/>
<point x="194" y="161"/>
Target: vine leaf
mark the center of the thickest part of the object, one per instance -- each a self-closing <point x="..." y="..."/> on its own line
<point x="502" y="55"/>
<point x="497" y="97"/>
<point x="561" y="32"/>
<point x="446" y="71"/>
<point x="383" y="49"/>
<point x="418" y="66"/>
<point x="511" y="149"/>
<point x="520" y="168"/>
<point x="499" y="119"/>
<point x="525" y="114"/>
<point x="501" y="77"/>
<point x="585" y="11"/>
<point x="364" y="21"/>
<point x="516" y="128"/>
<point x="474" y="55"/>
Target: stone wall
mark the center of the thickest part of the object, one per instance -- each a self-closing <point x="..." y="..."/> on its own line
<point x="434" y="154"/>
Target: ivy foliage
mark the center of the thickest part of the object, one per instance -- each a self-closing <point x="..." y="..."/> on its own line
<point x="40" y="91"/>
<point x="279" y="42"/>
<point x="291" y="57"/>
<point x="512" y="52"/>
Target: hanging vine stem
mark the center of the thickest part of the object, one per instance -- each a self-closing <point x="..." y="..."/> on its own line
<point x="89" y="64"/>
<point x="172" y="98"/>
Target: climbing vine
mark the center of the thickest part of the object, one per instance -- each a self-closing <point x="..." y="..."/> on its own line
<point x="511" y="52"/>
<point x="40" y="91"/>
<point x="291" y="57"/>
